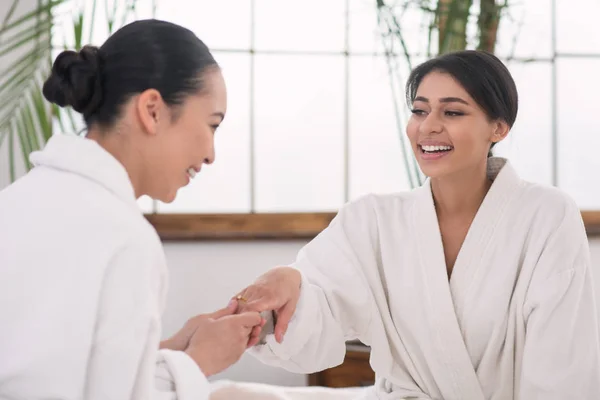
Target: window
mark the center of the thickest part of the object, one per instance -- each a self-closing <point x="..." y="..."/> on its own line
<point x="311" y="122"/>
<point x="311" y="126"/>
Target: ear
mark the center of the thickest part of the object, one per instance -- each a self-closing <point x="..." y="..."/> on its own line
<point x="501" y="130"/>
<point x="149" y="107"/>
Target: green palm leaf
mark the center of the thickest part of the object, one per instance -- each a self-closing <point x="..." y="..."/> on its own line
<point x="26" y="119"/>
<point x="25" y="52"/>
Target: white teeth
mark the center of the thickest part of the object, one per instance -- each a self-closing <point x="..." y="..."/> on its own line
<point x="191" y="172"/>
<point x="436" y="148"/>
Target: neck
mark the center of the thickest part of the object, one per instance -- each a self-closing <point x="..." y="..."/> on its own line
<point x="462" y="193"/>
<point x="121" y="149"/>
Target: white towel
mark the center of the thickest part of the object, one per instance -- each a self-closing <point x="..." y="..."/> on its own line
<point x="228" y="390"/>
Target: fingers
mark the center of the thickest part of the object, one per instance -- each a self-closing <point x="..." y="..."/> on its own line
<point x="254" y="336"/>
<point x="261" y="304"/>
<point x="249" y="319"/>
<point x="242" y="301"/>
<point x="229" y="310"/>
<point x="259" y="298"/>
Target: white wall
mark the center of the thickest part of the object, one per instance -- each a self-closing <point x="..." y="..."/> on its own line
<point x="205" y="275"/>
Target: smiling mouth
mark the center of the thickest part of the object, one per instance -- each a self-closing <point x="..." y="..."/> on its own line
<point x="191" y="173"/>
<point x="435" y="149"/>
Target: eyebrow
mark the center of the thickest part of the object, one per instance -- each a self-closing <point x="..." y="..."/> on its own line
<point x="219" y="114"/>
<point x="443" y="100"/>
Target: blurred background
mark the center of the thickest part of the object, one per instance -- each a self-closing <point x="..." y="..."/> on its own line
<point x="316" y="116"/>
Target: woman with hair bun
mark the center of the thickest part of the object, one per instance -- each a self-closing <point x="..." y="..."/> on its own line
<point x="82" y="273"/>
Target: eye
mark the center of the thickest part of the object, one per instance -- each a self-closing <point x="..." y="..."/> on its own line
<point x="214" y="127"/>
<point x="417" y="111"/>
<point x="454" y="113"/>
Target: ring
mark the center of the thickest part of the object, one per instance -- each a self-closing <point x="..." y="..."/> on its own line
<point x="241" y="298"/>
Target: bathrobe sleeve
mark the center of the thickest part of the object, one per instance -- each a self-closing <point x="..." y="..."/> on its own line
<point x="336" y="304"/>
<point x="125" y="362"/>
<point x="561" y="358"/>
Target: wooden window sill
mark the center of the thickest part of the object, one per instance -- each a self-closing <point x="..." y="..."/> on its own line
<point x="273" y="226"/>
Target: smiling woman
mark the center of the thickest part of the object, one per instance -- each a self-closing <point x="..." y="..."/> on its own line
<point x="152" y="97"/>
<point x="500" y="267"/>
<point x="459" y="114"/>
<point x="158" y="120"/>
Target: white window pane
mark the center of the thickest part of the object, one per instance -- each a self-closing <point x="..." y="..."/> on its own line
<point x="101" y="12"/>
<point x="525" y="30"/>
<point x="529" y="144"/>
<point x="143" y="9"/>
<point x="146" y="204"/>
<point x="219" y="24"/>
<point x="225" y="185"/>
<point x="366" y="32"/>
<point x="309" y="25"/>
<point x="377" y="159"/>
<point x="299" y="152"/>
<point x="579" y="132"/>
<point x="577" y="26"/>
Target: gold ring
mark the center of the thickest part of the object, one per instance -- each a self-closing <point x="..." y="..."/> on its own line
<point x="241" y="298"/>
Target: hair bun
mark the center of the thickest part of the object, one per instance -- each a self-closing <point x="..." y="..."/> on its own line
<point x="76" y="80"/>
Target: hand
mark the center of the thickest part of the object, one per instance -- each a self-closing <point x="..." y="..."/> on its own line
<point x="181" y="339"/>
<point x="221" y="338"/>
<point x="277" y="290"/>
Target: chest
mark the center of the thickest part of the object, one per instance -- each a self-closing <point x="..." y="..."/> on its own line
<point x="486" y="289"/>
<point x="453" y="233"/>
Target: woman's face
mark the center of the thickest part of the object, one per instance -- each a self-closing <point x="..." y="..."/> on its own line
<point x="448" y="131"/>
<point x="184" y="141"/>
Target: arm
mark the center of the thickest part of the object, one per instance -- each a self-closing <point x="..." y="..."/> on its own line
<point x="562" y="352"/>
<point x="335" y="302"/>
<point x="125" y="362"/>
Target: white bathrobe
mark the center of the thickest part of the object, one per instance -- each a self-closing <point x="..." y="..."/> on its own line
<point x="517" y="320"/>
<point x="82" y="286"/>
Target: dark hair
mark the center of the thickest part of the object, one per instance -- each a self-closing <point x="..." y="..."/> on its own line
<point x="146" y="54"/>
<point x="481" y="74"/>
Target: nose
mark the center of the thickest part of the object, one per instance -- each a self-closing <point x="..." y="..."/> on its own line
<point x="431" y="124"/>
<point x="211" y="157"/>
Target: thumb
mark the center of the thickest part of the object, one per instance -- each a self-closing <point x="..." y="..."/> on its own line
<point x="284" y="316"/>
<point x="229" y="310"/>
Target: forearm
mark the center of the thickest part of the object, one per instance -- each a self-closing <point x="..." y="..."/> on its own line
<point x="167" y="344"/>
<point x="177" y="377"/>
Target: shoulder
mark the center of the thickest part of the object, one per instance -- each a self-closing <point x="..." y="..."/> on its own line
<point x="139" y="238"/>
<point x="118" y="226"/>
<point x="556" y="231"/>
<point x="378" y="208"/>
<point x="138" y="262"/>
<point x="556" y="239"/>
<point x="550" y="206"/>
<point x="371" y="214"/>
<point x="374" y="202"/>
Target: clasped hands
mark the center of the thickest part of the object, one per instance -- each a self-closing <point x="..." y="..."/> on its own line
<point x="217" y="340"/>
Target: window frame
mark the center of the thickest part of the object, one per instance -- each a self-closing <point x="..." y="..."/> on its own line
<point x="268" y="226"/>
<point x="306" y="225"/>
